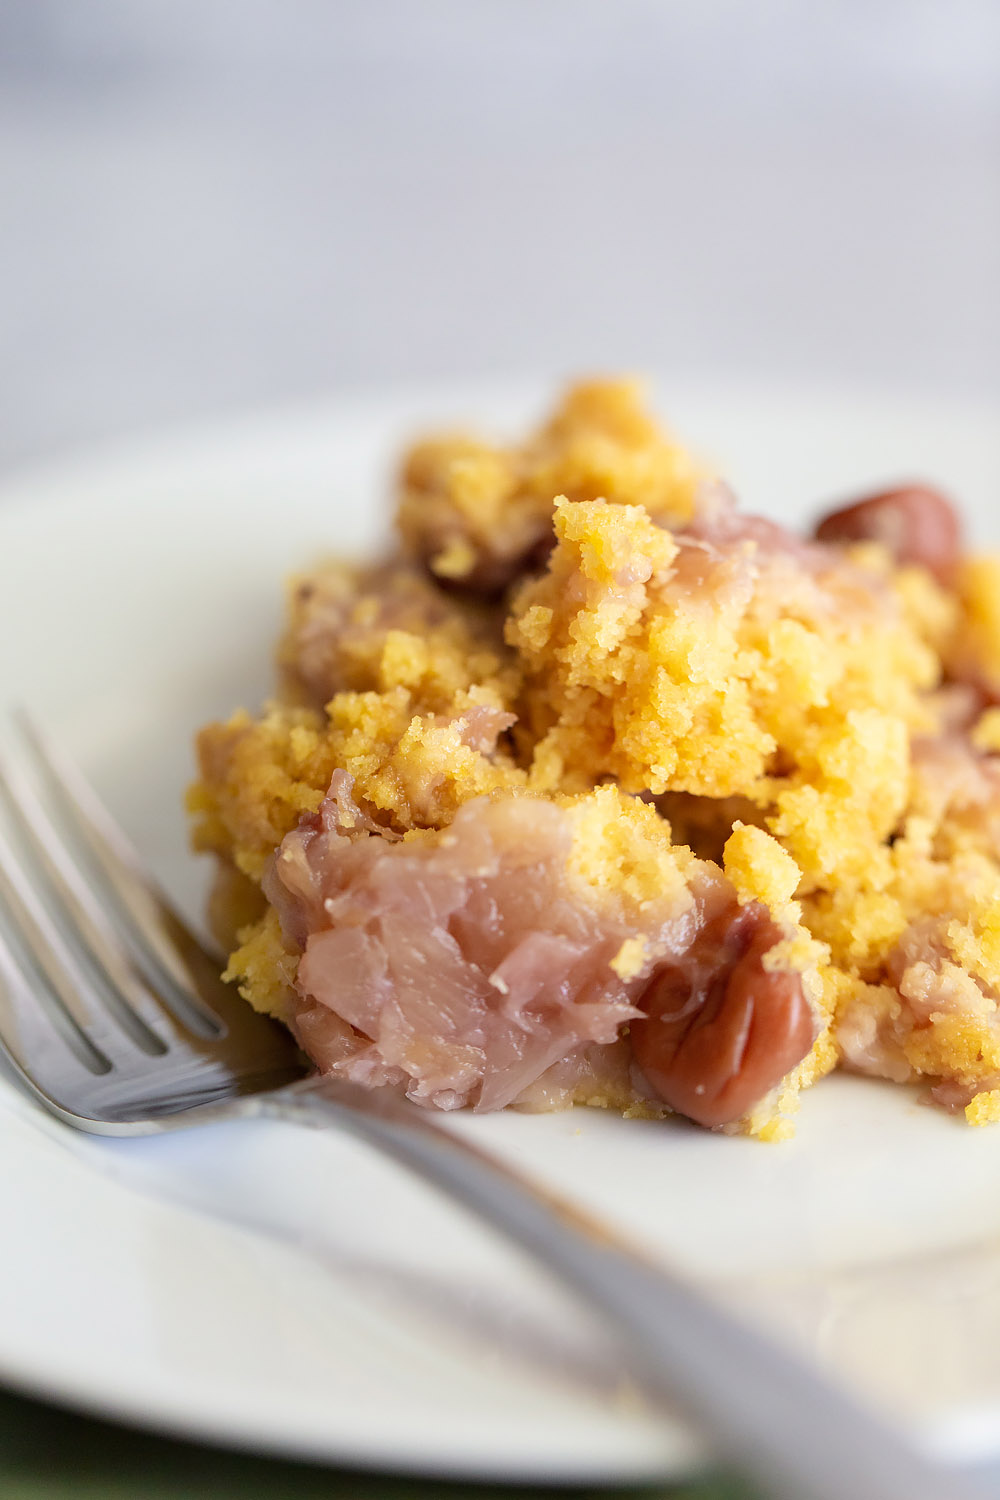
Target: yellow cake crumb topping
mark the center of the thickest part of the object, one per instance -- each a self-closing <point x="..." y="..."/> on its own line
<point x="579" y="619"/>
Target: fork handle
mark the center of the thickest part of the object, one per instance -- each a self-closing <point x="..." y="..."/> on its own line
<point x="772" y="1414"/>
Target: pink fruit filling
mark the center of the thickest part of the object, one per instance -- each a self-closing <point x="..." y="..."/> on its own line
<point x="470" y="965"/>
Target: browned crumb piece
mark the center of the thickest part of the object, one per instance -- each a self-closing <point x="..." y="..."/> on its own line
<point x="478" y="515"/>
<point x="388" y="626"/>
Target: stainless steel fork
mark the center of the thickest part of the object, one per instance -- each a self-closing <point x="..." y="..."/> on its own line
<point x="113" y="1016"/>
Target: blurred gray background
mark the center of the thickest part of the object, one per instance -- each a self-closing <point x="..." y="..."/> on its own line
<point x="208" y="204"/>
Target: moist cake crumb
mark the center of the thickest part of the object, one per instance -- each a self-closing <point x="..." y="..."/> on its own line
<point x="596" y="790"/>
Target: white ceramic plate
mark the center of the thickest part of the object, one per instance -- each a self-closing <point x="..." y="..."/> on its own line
<point x="267" y="1286"/>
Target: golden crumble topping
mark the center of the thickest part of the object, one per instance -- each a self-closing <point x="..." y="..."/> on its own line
<point x="672" y="809"/>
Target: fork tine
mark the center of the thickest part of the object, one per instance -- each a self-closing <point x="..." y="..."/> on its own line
<point x="80" y="1064"/>
<point x="83" y="923"/>
<point x="36" y="1041"/>
<point x="78" y="913"/>
<point x="35" y="1014"/>
<point x="170" y="957"/>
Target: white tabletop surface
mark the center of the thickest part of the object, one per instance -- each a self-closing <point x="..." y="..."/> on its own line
<point x="207" y="205"/>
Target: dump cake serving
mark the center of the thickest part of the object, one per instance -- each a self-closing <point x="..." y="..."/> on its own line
<point x="594" y="789"/>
